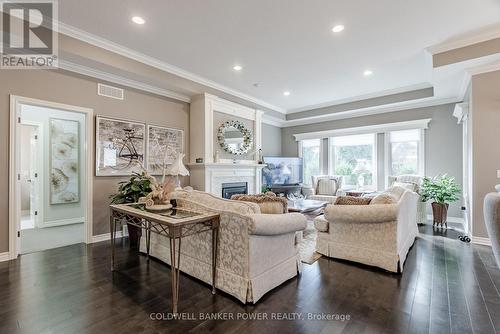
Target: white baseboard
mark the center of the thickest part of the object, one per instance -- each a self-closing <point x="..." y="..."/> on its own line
<point x="62" y="222"/>
<point x="107" y="236"/>
<point x="481" y="241"/>
<point x="456" y="220"/>
<point x="4" y="257"/>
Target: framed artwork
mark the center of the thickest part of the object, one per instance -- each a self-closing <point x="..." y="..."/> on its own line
<point x="120" y="146"/>
<point x="64" y="138"/>
<point x="159" y="138"/>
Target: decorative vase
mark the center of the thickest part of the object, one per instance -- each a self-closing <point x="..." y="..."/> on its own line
<point x="216" y="157"/>
<point x="440" y="213"/>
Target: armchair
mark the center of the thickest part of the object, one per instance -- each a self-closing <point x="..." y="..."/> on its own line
<point x="322" y="191"/>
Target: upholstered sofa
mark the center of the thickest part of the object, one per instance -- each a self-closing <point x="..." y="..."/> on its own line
<point x="257" y="252"/>
<point x="376" y="234"/>
<point x="327" y="193"/>
<point x="416" y="181"/>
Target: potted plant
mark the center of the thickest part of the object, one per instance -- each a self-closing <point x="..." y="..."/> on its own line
<point x="443" y="190"/>
<point x="139" y="185"/>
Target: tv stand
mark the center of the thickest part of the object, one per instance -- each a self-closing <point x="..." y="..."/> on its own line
<point x="284" y="190"/>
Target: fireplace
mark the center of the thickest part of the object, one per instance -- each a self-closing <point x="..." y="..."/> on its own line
<point x="234" y="188"/>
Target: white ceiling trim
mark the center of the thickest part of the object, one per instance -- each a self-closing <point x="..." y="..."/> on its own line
<point x="358" y="98"/>
<point x="480" y="36"/>
<point x="137" y="56"/>
<point x="379" y="128"/>
<point x="272" y="120"/>
<point x="422" y="103"/>
<point x="80" y="69"/>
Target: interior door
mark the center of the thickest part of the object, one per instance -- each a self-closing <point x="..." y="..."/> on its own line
<point x="34" y="177"/>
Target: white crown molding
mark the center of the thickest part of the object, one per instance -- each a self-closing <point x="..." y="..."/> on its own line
<point x="481" y="241"/>
<point x="274" y="121"/>
<point x="478" y="37"/>
<point x="400" y="90"/>
<point x="492" y="67"/>
<point x="400" y="106"/>
<point x="379" y="128"/>
<point x="103" y="43"/>
<point x="105" y="76"/>
<point x="4" y="256"/>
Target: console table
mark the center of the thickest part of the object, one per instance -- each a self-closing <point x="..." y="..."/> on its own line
<point x="173" y="224"/>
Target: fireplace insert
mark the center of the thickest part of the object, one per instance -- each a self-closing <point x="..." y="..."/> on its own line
<point x="234" y="188"/>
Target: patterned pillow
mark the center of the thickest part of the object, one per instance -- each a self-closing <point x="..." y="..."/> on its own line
<point x="327" y="187"/>
<point x="383" y="198"/>
<point x="352" y="200"/>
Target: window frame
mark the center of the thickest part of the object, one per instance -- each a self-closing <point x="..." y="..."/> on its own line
<point x="388" y="153"/>
<point x="331" y="159"/>
<point x="321" y="160"/>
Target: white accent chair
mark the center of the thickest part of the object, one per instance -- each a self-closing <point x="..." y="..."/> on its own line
<point x="257" y="252"/>
<point x="417" y="181"/>
<point x="376" y="234"/>
<point x="313" y="191"/>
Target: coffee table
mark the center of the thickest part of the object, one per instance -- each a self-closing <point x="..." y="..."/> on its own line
<point x="306" y="205"/>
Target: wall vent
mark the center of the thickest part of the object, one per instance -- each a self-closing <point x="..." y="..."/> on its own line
<point x="109" y="91"/>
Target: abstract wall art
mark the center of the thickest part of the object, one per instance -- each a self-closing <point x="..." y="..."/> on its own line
<point x="64" y="161"/>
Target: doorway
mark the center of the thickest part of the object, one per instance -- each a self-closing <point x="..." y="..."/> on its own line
<point x="50" y="176"/>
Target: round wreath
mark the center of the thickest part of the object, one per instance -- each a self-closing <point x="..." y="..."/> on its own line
<point x="247" y="137"/>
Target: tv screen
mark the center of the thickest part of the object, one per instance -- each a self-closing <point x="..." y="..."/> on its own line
<point x="282" y="171"/>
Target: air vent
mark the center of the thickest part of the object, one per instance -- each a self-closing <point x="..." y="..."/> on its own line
<point x="110" y="91"/>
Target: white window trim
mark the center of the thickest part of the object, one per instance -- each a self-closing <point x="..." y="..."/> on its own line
<point x="331" y="158"/>
<point x="321" y="160"/>
<point x="388" y="157"/>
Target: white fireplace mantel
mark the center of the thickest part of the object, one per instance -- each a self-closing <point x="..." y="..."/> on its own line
<point x="209" y="176"/>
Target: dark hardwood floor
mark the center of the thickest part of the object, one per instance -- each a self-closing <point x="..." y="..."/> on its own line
<point x="447" y="287"/>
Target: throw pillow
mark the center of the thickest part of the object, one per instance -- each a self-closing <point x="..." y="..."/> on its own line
<point x="407" y="185"/>
<point x="327" y="187"/>
<point x="352" y="200"/>
<point x="383" y="198"/>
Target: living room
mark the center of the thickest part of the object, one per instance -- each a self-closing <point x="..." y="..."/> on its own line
<point x="234" y="166"/>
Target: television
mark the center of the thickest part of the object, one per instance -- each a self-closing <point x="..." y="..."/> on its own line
<point x="282" y="171"/>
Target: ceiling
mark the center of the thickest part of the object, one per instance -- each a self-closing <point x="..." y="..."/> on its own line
<point x="288" y="45"/>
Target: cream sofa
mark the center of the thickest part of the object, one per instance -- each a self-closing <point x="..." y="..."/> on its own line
<point x="314" y="193"/>
<point x="378" y="235"/>
<point x="257" y="252"/>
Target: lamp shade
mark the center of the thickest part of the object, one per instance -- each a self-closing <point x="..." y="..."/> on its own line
<point x="177" y="168"/>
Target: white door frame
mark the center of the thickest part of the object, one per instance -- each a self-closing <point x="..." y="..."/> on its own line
<point x="14" y="165"/>
<point x="39" y="166"/>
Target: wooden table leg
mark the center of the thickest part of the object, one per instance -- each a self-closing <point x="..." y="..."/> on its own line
<point x="148" y="239"/>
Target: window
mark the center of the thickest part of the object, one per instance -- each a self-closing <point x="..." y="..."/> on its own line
<point x="354" y="157"/>
<point x="405" y="152"/>
<point x="310" y="151"/>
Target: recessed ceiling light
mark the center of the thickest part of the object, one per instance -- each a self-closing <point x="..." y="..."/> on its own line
<point x="138" y="20"/>
<point x="367" y="73"/>
<point x="286" y="93"/>
<point x="237" y="68"/>
<point x="338" y="28"/>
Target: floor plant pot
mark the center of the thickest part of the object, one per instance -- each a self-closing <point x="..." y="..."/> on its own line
<point x="440" y="213"/>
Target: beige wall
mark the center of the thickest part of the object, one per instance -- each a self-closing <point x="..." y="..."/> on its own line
<point x="59" y="86"/>
<point x="485" y="118"/>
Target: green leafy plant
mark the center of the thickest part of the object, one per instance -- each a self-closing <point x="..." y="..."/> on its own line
<point x="139" y="185"/>
<point x="265" y="188"/>
<point x="441" y="189"/>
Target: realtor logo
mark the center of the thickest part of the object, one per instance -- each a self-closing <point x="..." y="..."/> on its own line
<point x="29" y="35"/>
